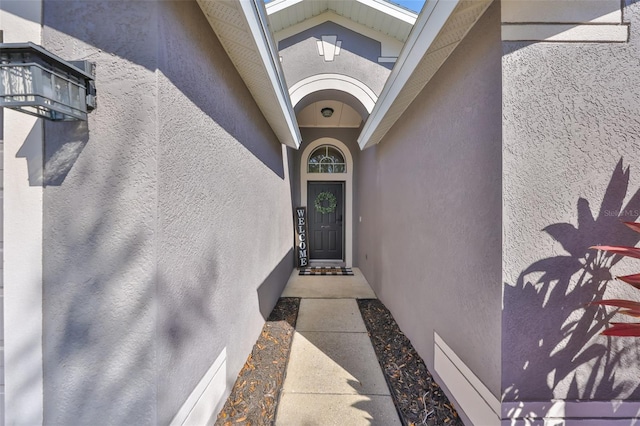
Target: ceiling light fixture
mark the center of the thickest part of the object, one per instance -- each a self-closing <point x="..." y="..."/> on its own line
<point x="326" y="112"/>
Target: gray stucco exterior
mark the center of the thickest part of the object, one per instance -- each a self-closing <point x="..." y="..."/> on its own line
<point x="570" y="155"/>
<point x="167" y="217"/>
<point x="156" y="255"/>
<point x="358" y="56"/>
<point x="430" y="200"/>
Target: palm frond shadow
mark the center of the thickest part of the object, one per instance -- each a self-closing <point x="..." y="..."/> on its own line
<point x="560" y="356"/>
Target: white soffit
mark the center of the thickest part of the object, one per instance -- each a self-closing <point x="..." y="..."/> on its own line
<point x="379" y="15"/>
<point x="241" y="27"/>
<point x="437" y="32"/>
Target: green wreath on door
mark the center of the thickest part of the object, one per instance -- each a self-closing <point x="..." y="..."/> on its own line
<point x="321" y="198"/>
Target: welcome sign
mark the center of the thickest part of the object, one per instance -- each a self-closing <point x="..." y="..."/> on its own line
<point x="300" y="223"/>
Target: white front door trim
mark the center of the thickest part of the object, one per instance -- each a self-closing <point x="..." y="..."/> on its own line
<point x="347" y="178"/>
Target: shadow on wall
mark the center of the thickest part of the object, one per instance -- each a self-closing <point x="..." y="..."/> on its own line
<point x="272" y="287"/>
<point x="187" y="318"/>
<point x="213" y="84"/>
<point x="224" y="95"/>
<point x="31" y="150"/>
<point x="64" y="143"/>
<point x="549" y="336"/>
<point x="82" y="351"/>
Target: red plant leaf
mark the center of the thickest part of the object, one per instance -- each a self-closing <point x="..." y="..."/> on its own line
<point x="618" y="303"/>
<point x="630" y="312"/>
<point x="623" y="330"/>
<point x="633" y="280"/>
<point x="622" y="251"/>
<point x="633" y="225"/>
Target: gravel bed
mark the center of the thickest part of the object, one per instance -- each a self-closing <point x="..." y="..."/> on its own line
<point x="418" y="398"/>
<point x="255" y="395"/>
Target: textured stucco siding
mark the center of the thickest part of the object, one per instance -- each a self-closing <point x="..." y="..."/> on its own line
<point x="99" y="222"/>
<point x="430" y="201"/>
<point x="225" y="218"/>
<point x="358" y="57"/>
<point x="167" y="220"/>
<point x="571" y="139"/>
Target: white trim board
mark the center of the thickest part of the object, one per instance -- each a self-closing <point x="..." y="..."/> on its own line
<point x="565" y="11"/>
<point x="566" y="33"/>
<point x="255" y="15"/>
<point x="475" y="399"/>
<point x="391" y="9"/>
<point x="207" y="398"/>
<point x="382" y="6"/>
<point x="560" y="412"/>
<point x="484" y="409"/>
<point x="344" y="83"/>
<point x="23" y="274"/>
<point x="23" y="233"/>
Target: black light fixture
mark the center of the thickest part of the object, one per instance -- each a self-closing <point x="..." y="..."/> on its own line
<point x="326" y="112"/>
<point x="37" y="82"/>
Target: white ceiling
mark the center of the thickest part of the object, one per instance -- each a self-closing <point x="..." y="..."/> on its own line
<point x="343" y="115"/>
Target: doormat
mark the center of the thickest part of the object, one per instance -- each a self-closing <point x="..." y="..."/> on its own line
<point x="326" y="271"/>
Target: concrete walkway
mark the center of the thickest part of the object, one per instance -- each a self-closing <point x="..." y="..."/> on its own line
<point x="333" y="376"/>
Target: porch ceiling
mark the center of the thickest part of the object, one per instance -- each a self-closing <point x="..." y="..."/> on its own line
<point x="342" y="115"/>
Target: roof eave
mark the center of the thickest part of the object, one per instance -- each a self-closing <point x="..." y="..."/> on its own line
<point x="398" y="15"/>
<point x="248" y="41"/>
<point x="439" y="29"/>
<point x="398" y="12"/>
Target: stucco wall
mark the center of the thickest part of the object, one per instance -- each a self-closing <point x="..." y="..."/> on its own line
<point x="225" y="217"/>
<point x="158" y="253"/>
<point x="571" y="136"/>
<point x="430" y="201"/>
<point x="358" y="56"/>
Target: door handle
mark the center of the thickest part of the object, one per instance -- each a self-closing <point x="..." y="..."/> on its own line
<point x="325" y="226"/>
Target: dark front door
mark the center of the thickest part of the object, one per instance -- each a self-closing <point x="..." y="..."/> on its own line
<point x="326" y="227"/>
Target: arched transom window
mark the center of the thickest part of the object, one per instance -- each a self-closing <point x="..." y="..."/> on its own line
<point x="326" y="159"/>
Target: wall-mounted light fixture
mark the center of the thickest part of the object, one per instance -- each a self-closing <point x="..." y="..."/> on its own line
<point x="37" y="82"/>
<point x="326" y="112"/>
